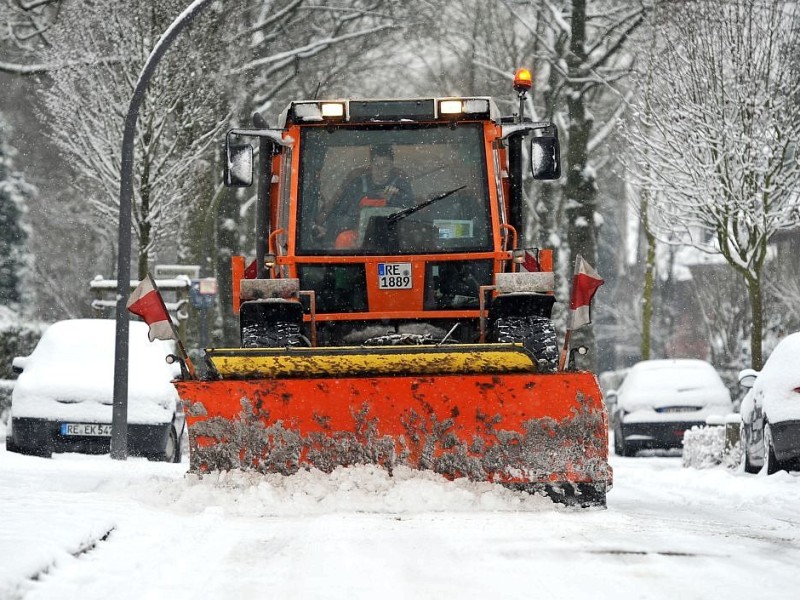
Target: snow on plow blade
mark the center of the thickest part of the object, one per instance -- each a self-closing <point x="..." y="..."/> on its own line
<point x="529" y="431"/>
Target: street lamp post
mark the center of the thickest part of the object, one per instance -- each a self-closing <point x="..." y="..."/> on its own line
<point x="119" y="419"/>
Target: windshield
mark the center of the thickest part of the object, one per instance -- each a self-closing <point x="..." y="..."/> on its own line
<point x="355" y="181"/>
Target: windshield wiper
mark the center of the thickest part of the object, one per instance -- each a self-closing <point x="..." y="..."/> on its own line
<point x="402" y="214"/>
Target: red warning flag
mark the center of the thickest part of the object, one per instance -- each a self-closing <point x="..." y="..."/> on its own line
<point x="146" y="302"/>
<point x="584" y="285"/>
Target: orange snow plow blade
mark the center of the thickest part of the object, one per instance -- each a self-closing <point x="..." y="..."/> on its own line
<point x="529" y="431"/>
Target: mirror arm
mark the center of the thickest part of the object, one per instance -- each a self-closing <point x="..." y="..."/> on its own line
<point x="525" y="128"/>
<point x="274" y="135"/>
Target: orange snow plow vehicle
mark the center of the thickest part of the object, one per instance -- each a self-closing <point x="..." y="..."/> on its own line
<point x="392" y="316"/>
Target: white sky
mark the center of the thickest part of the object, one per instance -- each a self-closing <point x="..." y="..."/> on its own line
<point x="668" y="532"/>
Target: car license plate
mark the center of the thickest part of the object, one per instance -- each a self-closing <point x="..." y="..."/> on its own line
<point x="394" y="276"/>
<point x="89" y="429"/>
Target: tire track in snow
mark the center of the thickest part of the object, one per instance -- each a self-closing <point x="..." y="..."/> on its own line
<point x="51" y="568"/>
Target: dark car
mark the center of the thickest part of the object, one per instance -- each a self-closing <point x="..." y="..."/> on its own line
<point x="660" y="399"/>
<point x="62" y="400"/>
<point x="771" y="411"/>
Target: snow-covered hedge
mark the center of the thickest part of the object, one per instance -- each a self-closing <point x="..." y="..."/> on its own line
<point x="709" y="446"/>
<point x="17" y="338"/>
<point x="6" y="386"/>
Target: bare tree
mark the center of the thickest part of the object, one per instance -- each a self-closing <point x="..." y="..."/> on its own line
<point x="579" y="55"/>
<point x="24" y="33"/>
<point x="16" y="261"/>
<point x="99" y="50"/>
<point x="716" y="141"/>
<point x="281" y="49"/>
<point x="277" y="51"/>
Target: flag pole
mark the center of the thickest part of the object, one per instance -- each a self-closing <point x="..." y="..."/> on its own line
<point x="562" y="359"/>
<point x="585" y="282"/>
<point x="181" y="349"/>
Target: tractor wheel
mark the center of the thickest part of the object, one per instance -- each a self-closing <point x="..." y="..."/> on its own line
<point x="277" y="334"/>
<point x="537" y="334"/>
<point x="584" y="495"/>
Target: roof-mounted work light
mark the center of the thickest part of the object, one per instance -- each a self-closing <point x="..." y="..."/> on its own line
<point x="450" y="107"/>
<point x="310" y="112"/>
<point x="332" y="110"/>
<point x="468" y="107"/>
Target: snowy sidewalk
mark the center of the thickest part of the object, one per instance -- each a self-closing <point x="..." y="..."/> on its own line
<point x="50" y="514"/>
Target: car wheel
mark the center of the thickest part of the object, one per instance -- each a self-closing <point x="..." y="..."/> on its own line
<point x="748" y="466"/>
<point x="621" y="448"/>
<point x="771" y="463"/>
<point x="619" y="441"/>
<point x="172" y="449"/>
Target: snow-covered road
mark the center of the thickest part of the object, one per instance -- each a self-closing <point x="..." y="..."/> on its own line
<point x="89" y="527"/>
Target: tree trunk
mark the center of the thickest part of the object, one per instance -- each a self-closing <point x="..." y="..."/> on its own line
<point x="580" y="187"/>
<point x="145" y="227"/>
<point x="647" y="295"/>
<point x="227" y="246"/>
<point x="757" y="312"/>
<point x="546" y="197"/>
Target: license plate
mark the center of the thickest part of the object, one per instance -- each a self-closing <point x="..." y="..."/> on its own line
<point x="88" y="429"/>
<point x="394" y="276"/>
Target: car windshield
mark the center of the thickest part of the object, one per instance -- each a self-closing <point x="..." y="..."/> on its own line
<point x="355" y="181"/>
<point x="676" y="378"/>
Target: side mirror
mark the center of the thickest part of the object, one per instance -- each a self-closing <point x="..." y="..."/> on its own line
<point x="18" y="364"/>
<point x="611" y="397"/>
<point x="545" y="157"/>
<point x="238" y="165"/>
<point x="747" y="378"/>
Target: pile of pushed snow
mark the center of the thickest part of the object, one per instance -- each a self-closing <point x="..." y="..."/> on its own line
<point x="709" y="446"/>
<point x="360" y="489"/>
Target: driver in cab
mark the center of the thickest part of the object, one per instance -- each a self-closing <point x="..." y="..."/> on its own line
<point x="380" y="184"/>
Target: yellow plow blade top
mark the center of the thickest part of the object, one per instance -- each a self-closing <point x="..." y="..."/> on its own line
<point x="355" y="361"/>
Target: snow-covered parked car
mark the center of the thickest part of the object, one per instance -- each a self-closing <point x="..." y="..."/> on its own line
<point x="660" y="399"/>
<point x="62" y="400"/>
<point x="771" y="410"/>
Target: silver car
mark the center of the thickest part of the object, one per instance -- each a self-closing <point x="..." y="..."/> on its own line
<point x="660" y="399"/>
<point x="62" y="400"/>
<point x="771" y="410"/>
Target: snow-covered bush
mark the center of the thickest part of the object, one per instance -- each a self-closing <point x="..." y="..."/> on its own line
<point x="708" y="446"/>
<point x="18" y="337"/>
<point x="15" y="259"/>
